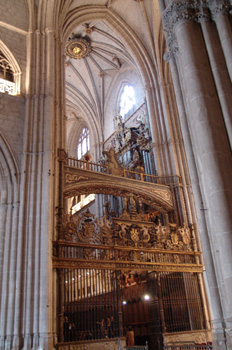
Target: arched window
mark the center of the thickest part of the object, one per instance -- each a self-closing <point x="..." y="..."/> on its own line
<point x="6" y="76"/>
<point x="127" y="100"/>
<point x="83" y="143"/>
<point x="6" y="71"/>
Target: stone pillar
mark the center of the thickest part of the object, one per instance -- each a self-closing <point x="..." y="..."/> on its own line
<point x="196" y="214"/>
<point x="211" y="150"/>
<point x="153" y="112"/>
<point x="33" y="284"/>
<point x="219" y="69"/>
<point x="204" y="244"/>
<point x="220" y="11"/>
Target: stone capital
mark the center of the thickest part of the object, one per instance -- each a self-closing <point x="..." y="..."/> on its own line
<point x="172" y="47"/>
<point x="202" y="15"/>
<point x="219" y="8"/>
<point x="176" y="13"/>
<point x="184" y="11"/>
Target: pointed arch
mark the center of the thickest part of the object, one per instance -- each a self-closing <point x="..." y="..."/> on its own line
<point x="86" y="13"/>
<point x="15" y="66"/>
<point x="9" y="173"/>
<point x="142" y="62"/>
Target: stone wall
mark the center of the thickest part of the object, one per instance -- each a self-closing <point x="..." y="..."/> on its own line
<point x="13" y="32"/>
<point x="12" y="115"/>
<point x="15" y="13"/>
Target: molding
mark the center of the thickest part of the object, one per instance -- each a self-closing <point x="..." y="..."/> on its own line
<point x="69" y="263"/>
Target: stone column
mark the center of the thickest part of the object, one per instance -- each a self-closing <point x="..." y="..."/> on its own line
<point x="204" y="244"/>
<point x="194" y="205"/>
<point x="154" y="129"/>
<point x="220" y="11"/>
<point x="219" y="69"/>
<point x="211" y="150"/>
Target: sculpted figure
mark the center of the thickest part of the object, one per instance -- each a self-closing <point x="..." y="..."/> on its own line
<point x="113" y="164"/>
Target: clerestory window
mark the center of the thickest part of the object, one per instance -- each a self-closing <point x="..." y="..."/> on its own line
<point x="127" y="101"/>
<point x="83" y="144"/>
<point x="6" y="76"/>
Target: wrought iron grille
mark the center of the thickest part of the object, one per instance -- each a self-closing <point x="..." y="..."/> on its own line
<point x="182" y="304"/>
<point x="89" y="300"/>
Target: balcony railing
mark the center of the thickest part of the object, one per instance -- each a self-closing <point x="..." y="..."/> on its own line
<point x="102" y="168"/>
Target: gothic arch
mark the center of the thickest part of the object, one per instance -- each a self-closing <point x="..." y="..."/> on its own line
<point x="88" y="118"/>
<point x="9" y="172"/>
<point x="9" y="211"/>
<point x="141" y="62"/>
<point x="14" y="64"/>
<point x="86" y="13"/>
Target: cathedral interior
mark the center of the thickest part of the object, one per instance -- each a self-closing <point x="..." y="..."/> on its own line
<point x="115" y="174"/>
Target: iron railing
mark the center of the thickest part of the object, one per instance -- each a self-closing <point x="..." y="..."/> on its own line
<point x="187" y="346"/>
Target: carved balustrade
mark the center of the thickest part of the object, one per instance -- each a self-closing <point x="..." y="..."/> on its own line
<point x="129" y="174"/>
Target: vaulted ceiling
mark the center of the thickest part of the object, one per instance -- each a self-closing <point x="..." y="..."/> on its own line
<point x="90" y="80"/>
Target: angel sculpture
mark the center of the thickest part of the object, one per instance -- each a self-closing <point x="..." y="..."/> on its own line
<point x="113" y="164"/>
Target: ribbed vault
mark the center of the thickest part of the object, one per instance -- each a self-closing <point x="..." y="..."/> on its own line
<point x="93" y="81"/>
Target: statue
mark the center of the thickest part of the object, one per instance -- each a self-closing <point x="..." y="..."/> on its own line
<point x="113" y="164"/>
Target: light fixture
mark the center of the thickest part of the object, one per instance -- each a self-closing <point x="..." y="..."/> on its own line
<point x="124" y="302"/>
<point x="146" y="297"/>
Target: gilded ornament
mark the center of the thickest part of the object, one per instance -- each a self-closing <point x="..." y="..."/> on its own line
<point x="174" y="238"/>
<point x="78" y="48"/>
<point x="74" y="178"/>
<point x="185" y="234"/>
<point x="135" y="236"/>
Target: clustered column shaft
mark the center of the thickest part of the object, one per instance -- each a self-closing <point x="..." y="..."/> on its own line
<point x="202" y="52"/>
